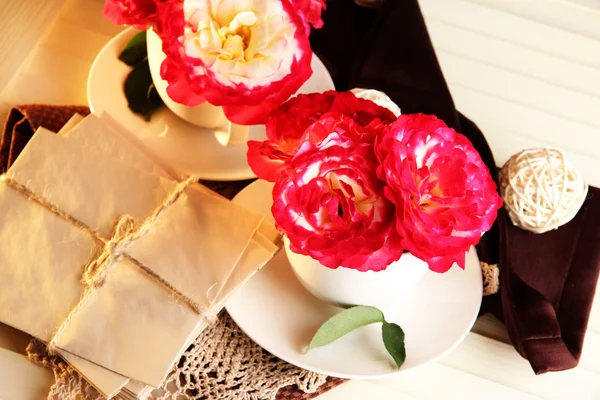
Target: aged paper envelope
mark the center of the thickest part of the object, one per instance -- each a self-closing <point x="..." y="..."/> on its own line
<point x="105" y="135"/>
<point x="107" y="382"/>
<point x="20" y="379"/>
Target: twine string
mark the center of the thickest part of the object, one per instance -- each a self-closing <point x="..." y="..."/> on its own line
<point x="96" y="272"/>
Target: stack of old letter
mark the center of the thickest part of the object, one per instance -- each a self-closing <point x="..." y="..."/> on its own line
<point x="113" y="260"/>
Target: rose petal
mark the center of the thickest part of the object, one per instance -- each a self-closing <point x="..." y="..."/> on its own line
<point x="140" y="14"/>
<point x="288" y="126"/>
<point x="211" y="62"/>
<point x="329" y="202"/>
<point x="444" y="195"/>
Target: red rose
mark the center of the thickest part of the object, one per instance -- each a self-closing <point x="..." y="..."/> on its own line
<point x="444" y="195"/>
<point x="287" y="127"/>
<point x="310" y="10"/>
<point x="138" y="13"/>
<point x="330" y="203"/>
<point x="248" y="56"/>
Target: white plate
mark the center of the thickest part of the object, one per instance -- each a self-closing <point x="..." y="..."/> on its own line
<point x="281" y="316"/>
<point x="187" y="148"/>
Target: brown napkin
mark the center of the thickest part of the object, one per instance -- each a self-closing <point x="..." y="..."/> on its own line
<point x="547" y="285"/>
<point x="23" y="121"/>
<point x="547" y="281"/>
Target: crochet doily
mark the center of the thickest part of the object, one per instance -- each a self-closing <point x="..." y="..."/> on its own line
<point x="225" y="364"/>
<point x="68" y="385"/>
<point x="491" y="278"/>
<point x="222" y="364"/>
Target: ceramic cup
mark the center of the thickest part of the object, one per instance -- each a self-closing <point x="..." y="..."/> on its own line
<point x="345" y="286"/>
<point x="204" y="115"/>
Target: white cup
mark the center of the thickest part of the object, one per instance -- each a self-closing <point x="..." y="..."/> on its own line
<point x="345" y="286"/>
<point x="204" y="115"/>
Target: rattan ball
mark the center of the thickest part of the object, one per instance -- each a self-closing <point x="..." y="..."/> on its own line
<point x="377" y="97"/>
<point x="541" y="190"/>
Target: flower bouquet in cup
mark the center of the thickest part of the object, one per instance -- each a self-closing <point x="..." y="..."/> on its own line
<point x="368" y="199"/>
<point x="217" y="62"/>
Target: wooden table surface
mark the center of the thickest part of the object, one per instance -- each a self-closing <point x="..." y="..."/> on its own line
<point x="526" y="71"/>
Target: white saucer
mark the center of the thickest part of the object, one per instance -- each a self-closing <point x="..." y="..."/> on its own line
<point x="281" y="316"/>
<point x="187" y="148"/>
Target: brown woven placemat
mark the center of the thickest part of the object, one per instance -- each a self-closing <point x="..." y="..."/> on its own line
<point x="24" y="120"/>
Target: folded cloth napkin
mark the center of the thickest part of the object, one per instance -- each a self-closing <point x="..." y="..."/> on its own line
<point x="23" y="121"/>
<point x="548" y="281"/>
<point x="547" y="285"/>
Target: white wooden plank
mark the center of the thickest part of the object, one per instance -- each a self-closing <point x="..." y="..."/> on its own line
<point x="590" y="352"/>
<point x="365" y="390"/>
<point x="505" y="143"/>
<point x="499" y="362"/>
<point x="453" y="384"/>
<point x="24" y="23"/>
<point x="30" y="88"/>
<point x="513" y="57"/>
<point x="594" y="321"/>
<point x="520" y="89"/>
<point x="539" y="125"/>
<point x="562" y="14"/>
<point x="67" y="69"/>
<point x="589" y="4"/>
<point x="88" y="15"/>
<point x="517" y="30"/>
<point x="88" y="45"/>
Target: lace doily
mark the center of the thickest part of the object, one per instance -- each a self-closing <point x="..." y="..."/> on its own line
<point x="222" y="364"/>
<point x="225" y="364"/>
<point x="491" y="278"/>
<point x="68" y="385"/>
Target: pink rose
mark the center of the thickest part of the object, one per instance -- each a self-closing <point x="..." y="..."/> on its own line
<point x="138" y="13"/>
<point x="444" y="195"/>
<point x="287" y="127"/>
<point x="248" y="56"/>
<point x="330" y="203"/>
<point x="310" y="10"/>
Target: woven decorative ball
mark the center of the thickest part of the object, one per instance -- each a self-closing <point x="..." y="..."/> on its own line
<point x="541" y="190"/>
<point x="377" y="97"/>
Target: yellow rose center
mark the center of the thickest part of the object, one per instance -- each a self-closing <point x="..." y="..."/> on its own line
<point x="229" y="42"/>
<point x="249" y="42"/>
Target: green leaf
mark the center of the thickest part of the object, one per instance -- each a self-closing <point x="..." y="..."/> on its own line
<point x="142" y="97"/>
<point x="393" y="340"/>
<point x="135" y="51"/>
<point x="343" y="323"/>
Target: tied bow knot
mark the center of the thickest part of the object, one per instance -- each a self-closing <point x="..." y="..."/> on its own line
<point x="124" y="233"/>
